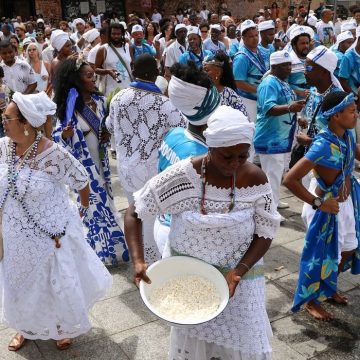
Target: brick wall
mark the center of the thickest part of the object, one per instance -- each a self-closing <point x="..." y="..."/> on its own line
<point x="51" y="9"/>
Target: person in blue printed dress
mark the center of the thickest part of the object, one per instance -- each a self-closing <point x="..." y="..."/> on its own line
<point x="267" y="35"/>
<point x="180" y="143"/>
<point x="343" y="42"/>
<point x="276" y="120"/>
<point x="81" y="130"/>
<point x="220" y="72"/>
<point x="139" y="45"/>
<point x="212" y="43"/>
<point x="331" y="209"/>
<point x="300" y="41"/>
<point x="194" y="52"/>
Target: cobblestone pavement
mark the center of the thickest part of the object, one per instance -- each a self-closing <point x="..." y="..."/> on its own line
<point x="123" y="329"/>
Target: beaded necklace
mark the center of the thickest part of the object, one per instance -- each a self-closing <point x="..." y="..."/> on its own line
<point x="12" y="189"/>
<point x="203" y="180"/>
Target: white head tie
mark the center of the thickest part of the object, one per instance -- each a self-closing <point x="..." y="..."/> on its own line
<point x="312" y="20"/>
<point x="78" y="21"/>
<point x="348" y="25"/>
<point x="266" y="25"/>
<point x="215" y="27"/>
<point x="58" y="39"/>
<point x="180" y="26"/>
<point x="327" y="59"/>
<point x="301" y="30"/>
<point x="280" y="57"/>
<point x="91" y="35"/>
<point x="228" y="127"/>
<point x="247" y="24"/>
<point x="34" y="107"/>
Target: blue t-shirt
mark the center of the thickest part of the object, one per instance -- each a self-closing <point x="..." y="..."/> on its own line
<point x="266" y="52"/>
<point x="249" y="67"/>
<point x="209" y="45"/>
<point x="339" y="55"/>
<point x="197" y="59"/>
<point x="350" y="69"/>
<point x="144" y="48"/>
<point x="234" y="48"/>
<point x="178" y="144"/>
<point x="274" y="134"/>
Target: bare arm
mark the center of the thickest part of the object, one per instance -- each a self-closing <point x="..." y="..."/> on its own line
<point x="244" y="86"/>
<point x="293" y="107"/>
<point x="84" y="196"/>
<point x="344" y="83"/>
<point x="99" y="61"/>
<point x="30" y="88"/>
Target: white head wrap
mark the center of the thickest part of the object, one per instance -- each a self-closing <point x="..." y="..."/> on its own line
<point x="40" y="21"/>
<point x="78" y="21"/>
<point x="34" y="107"/>
<point x="345" y="35"/>
<point x="162" y="84"/>
<point x="301" y="30"/>
<point x="193" y="30"/>
<point x="215" y="27"/>
<point x="266" y="25"/>
<point x="91" y="35"/>
<point x="280" y="57"/>
<point x="180" y="26"/>
<point x="137" y="28"/>
<point x="327" y="59"/>
<point x="123" y="23"/>
<point x="228" y="127"/>
<point x="58" y="39"/>
<point x="312" y="20"/>
<point x="247" y="24"/>
<point x="225" y="17"/>
<point x="189" y="99"/>
<point x="348" y="25"/>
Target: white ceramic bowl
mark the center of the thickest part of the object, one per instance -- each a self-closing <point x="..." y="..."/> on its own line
<point x="174" y="266"/>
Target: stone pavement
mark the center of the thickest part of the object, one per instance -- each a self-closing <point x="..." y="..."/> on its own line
<point x="123" y="329"/>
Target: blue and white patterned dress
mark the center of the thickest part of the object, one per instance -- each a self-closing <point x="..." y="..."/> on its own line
<point x="103" y="230"/>
<point x="229" y="97"/>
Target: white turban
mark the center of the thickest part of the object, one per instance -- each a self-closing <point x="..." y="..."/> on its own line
<point x="266" y="25"/>
<point x="312" y="20"/>
<point x="34" y="107"/>
<point x="193" y="30"/>
<point x="228" y="127"/>
<point x="195" y="102"/>
<point x="91" y="35"/>
<point x="301" y="30"/>
<point x="180" y="26"/>
<point x="280" y="57"/>
<point x="78" y="21"/>
<point x="247" y="24"/>
<point x="348" y="25"/>
<point x="327" y="59"/>
<point x="58" y="39"/>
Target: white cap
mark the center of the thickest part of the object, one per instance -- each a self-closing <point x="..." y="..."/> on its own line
<point x="180" y="26"/>
<point x="266" y="25"/>
<point x="280" y="57"/>
<point x="225" y="17"/>
<point x="247" y="24"/>
<point x="312" y="20"/>
<point x="348" y="25"/>
<point x="193" y="30"/>
<point x="215" y="27"/>
<point x="137" y="28"/>
<point x="301" y="30"/>
<point x="345" y="35"/>
<point x="40" y="21"/>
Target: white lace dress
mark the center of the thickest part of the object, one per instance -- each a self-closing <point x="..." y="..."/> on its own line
<point x="243" y="330"/>
<point x="46" y="292"/>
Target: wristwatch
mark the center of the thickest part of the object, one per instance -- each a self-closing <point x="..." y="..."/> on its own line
<point x="316" y="203"/>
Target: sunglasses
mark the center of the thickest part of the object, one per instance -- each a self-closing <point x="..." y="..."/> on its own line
<point x="204" y="31"/>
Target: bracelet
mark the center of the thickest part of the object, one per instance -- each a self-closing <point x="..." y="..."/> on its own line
<point x="83" y="209"/>
<point x="246" y="265"/>
<point x="289" y="106"/>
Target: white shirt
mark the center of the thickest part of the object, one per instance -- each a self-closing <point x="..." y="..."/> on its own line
<point x="92" y="54"/>
<point x="156" y="17"/>
<point x="96" y="20"/>
<point x="204" y="14"/>
<point x="18" y="76"/>
<point x="326" y="33"/>
<point x="173" y="53"/>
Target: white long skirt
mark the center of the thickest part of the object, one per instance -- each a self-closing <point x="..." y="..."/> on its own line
<point x="54" y="300"/>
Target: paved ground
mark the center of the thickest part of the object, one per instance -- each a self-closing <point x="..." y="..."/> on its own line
<point x="123" y="329"/>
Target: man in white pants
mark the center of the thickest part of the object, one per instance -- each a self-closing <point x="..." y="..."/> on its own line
<point x="276" y="120"/>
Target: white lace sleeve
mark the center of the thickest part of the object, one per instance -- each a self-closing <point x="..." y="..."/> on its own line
<point x="63" y="167"/>
<point x="267" y="219"/>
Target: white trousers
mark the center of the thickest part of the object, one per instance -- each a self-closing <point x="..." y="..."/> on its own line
<point x="347" y="240"/>
<point x="273" y="166"/>
<point x="252" y="111"/>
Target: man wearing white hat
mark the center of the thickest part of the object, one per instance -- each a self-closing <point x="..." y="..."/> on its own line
<point x="325" y="28"/>
<point x="343" y="42"/>
<point x="267" y="35"/>
<point x="276" y="120"/>
<point x="139" y="46"/>
<point x="173" y="52"/>
<point x="300" y="42"/>
<point x="212" y="43"/>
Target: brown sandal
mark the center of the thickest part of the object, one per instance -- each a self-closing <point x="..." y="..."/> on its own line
<point x="16" y="343"/>
<point x="63" y="344"/>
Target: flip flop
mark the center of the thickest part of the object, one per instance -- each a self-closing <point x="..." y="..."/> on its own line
<point x="63" y="344"/>
<point x="16" y="343"/>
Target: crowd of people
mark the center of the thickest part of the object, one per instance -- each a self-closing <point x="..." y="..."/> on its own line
<point x="206" y="116"/>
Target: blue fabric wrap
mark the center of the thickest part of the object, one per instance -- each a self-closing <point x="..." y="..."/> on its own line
<point x="144" y="85"/>
<point x="70" y="106"/>
<point x="348" y="100"/>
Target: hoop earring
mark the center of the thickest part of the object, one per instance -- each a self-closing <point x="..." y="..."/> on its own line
<point x="26" y="133"/>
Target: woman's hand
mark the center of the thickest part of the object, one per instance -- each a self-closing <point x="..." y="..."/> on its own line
<point x="296" y="106"/>
<point x="330" y="206"/>
<point x="233" y="280"/>
<point x="140" y="273"/>
<point x="112" y="73"/>
<point x="68" y="132"/>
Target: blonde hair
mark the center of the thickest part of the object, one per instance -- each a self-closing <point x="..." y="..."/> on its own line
<point x="27" y="53"/>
